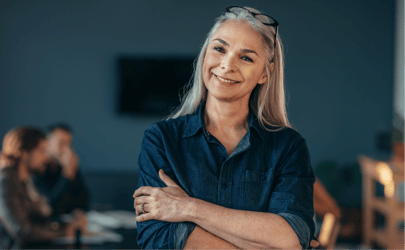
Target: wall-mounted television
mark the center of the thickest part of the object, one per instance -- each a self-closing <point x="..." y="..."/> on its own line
<point x="150" y="86"/>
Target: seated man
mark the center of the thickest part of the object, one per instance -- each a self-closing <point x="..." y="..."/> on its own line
<point x="61" y="182"/>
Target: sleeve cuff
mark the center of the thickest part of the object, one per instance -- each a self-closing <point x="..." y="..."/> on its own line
<point x="300" y="228"/>
<point x="181" y="233"/>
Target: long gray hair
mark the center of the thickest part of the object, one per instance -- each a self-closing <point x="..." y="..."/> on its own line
<point x="267" y="100"/>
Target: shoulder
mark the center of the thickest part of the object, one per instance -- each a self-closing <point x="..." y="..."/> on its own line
<point x="286" y="135"/>
<point x="171" y="127"/>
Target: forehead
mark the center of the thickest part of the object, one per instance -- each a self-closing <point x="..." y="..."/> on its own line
<point x="239" y="33"/>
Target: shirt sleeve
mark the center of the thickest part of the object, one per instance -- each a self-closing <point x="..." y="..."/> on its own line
<point x="300" y="228"/>
<point x="293" y="188"/>
<point x="15" y="215"/>
<point x="155" y="234"/>
<point x="182" y="231"/>
<point x="12" y="213"/>
<point x="53" y="194"/>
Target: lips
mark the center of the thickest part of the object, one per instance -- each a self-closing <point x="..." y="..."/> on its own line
<point x="223" y="79"/>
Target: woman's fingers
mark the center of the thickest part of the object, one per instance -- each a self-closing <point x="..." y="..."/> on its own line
<point x="314" y="243"/>
<point x="145" y="217"/>
<point x="138" y="209"/>
<point x="144" y="190"/>
<point x="166" y="179"/>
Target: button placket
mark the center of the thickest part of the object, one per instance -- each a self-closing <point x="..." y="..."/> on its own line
<point x="225" y="185"/>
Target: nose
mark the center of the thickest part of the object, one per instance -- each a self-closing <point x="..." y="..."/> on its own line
<point x="228" y="63"/>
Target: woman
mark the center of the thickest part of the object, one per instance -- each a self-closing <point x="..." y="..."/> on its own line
<point x="238" y="175"/>
<point x="21" y="219"/>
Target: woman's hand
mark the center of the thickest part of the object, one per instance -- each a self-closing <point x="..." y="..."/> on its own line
<point x="314" y="244"/>
<point x="164" y="204"/>
<point x="78" y="222"/>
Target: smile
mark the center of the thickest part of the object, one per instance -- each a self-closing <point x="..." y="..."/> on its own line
<point x="224" y="80"/>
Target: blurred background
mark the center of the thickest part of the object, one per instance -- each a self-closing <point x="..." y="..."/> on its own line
<point x="62" y="61"/>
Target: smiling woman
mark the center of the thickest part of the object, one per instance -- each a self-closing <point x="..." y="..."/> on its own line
<point x="226" y="170"/>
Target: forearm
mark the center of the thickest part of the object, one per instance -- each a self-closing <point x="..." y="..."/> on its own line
<point x="201" y="239"/>
<point x="244" y="229"/>
<point x="44" y="232"/>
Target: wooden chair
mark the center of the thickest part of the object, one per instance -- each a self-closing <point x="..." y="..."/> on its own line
<point x="329" y="232"/>
<point x="328" y="209"/>
<point x="391" y="175"/>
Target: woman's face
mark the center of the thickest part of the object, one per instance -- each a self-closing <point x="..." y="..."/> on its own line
<point x="234" y="62"/>
<point x="37" y="158"/>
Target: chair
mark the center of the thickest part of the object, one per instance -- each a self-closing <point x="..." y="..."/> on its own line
<point x="329" y="231"/>
<point x="327" y="208"/>
<point x="391" y="175"/>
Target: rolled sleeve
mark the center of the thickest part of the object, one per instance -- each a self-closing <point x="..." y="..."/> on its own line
<point x="154" y="234"/>
<point x="181" y="234"/>
<point x="293" y="188"/>
<point x="300" y="227"/>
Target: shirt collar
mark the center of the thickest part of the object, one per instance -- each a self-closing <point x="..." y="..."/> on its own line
<point x="196" y="122"/>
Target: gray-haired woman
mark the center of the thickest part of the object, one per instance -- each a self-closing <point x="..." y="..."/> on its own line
<point x="226" y="170"/>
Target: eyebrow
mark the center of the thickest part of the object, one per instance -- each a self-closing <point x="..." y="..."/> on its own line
<point x="242" y="50"/>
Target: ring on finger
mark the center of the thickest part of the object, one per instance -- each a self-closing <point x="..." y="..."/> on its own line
<point x="143" y="211"/>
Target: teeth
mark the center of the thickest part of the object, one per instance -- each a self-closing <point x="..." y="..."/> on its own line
<point x="222" y="79"/>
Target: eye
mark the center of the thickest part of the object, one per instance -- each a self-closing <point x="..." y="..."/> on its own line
<point x="245" y="58"/>
<point x="220" y="49"/>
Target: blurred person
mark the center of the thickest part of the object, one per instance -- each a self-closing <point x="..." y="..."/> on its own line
<point x="61" y="182"/>
<point x="22" y="220"/>
<point x="226" y="169"/>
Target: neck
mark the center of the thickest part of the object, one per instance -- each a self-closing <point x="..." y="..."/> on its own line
<point x="226" y="116"/>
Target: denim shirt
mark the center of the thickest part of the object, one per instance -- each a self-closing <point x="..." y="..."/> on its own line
<point x="267" y="172"/>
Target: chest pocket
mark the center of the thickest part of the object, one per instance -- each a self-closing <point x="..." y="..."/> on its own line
<point x="256" y="190"/>
<point x="256" y="176"/>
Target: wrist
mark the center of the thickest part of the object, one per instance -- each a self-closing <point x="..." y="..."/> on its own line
<point x="192" y="209"/>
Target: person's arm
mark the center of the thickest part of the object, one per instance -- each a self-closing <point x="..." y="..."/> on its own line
<point x="202" y="239"/>
<point x="290" y="204"/>
<point x="290" y="217"/>
<point x="155" y="234"/>
<point x="292" y="197"/>
<point x="15" y="217"/>
<point x="244" y="229"/>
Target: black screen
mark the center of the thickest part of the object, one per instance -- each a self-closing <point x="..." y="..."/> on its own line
<point x="151" y="86"/>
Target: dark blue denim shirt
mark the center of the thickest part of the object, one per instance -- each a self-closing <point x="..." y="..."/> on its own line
<point x="267" y="172"/>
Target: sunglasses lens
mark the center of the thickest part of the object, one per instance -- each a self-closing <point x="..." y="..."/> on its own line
<point x="265" y="19"/>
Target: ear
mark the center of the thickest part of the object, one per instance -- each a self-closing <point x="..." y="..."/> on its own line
<point x="271" y="66"/>
<point x="263" y="78"/>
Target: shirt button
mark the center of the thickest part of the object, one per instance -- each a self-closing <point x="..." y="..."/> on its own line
<point x="224" y="186"/>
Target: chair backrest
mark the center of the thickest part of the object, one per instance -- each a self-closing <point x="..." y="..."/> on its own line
<point x="329" y="231"/>
<point x="390" y="175"/>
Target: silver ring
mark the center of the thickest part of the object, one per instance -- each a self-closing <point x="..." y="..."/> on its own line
<point x="142" y="208"/>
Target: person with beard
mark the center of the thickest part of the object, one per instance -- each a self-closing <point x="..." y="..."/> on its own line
<point x="23" y="220"/>
<point x="61" y="182"/>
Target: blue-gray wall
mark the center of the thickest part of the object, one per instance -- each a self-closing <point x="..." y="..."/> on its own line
<point x="57" y="63"/>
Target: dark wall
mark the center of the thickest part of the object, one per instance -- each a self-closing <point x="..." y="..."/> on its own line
<point x="57" y="63"/>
